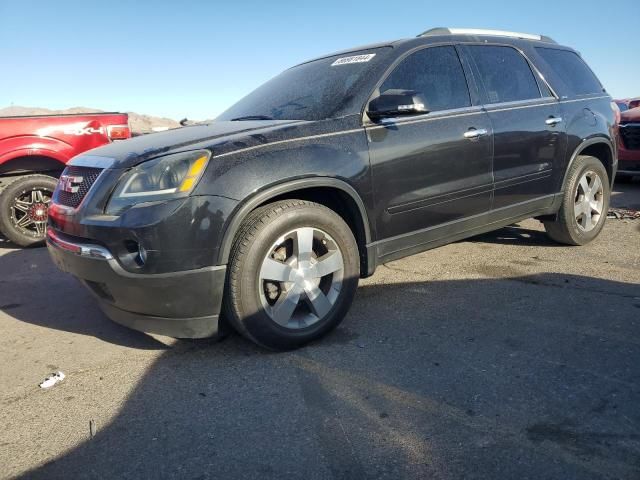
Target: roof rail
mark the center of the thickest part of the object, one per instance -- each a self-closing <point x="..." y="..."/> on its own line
<point x="481" y="31"/>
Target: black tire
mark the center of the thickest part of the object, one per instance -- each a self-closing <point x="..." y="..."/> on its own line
<point x="31" y="235"/>
<point x="565" y="229"/>
<point x="243" y="305"/>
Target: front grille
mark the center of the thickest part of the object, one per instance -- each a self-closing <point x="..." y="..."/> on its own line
<point x="630" y="134"/>
<point x="89" y="176"/>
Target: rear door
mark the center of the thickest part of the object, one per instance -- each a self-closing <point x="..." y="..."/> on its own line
<point x="528" y="129"/>
<point x="430" y="169"/>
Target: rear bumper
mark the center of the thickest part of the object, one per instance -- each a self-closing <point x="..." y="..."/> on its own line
<point x="178" y="304"/>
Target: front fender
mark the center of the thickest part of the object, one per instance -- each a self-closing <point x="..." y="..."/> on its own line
<point x="244" y="208"/>
<point x="240" y="175"/>
<point x="253" y="176"/>
<point x="30" y="145"/>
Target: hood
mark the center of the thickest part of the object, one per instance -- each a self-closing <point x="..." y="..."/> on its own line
<point x="632" y="115"/>
<point x="222" y="135"/>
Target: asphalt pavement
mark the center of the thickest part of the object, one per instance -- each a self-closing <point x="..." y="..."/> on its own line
<point x="504" y="356"/>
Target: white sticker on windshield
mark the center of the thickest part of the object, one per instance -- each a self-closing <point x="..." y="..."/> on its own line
<point x="354" y="59"/>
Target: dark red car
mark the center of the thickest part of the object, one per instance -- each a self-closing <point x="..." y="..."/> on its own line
<point x="629" y="144"/>
<point x="33" y="152"/>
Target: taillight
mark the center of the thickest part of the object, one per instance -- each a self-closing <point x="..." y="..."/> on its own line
<point x="118" y="132"/>
<point x="616" y="111"/>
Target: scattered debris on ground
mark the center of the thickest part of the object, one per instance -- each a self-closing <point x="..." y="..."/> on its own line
<point x="52" y="379"/>
<point x="623" y="214"/>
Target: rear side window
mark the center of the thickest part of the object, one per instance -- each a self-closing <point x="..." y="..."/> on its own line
<point x="437" y="73"/>
<point x="572" y="71"/>
<point x="505" y="74"/>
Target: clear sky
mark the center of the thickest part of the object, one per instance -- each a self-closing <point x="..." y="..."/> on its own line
<point x="195" y="58"/>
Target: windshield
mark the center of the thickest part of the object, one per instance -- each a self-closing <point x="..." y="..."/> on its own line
<point x="326" y="88"/>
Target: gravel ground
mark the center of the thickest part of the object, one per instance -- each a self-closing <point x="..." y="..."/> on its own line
<point x="503" y="356"/>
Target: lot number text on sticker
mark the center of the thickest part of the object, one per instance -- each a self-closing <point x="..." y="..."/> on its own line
<point x="354" y="59"/>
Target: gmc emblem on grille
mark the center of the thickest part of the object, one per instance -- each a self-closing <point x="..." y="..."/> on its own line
<point x="70" y="183"/>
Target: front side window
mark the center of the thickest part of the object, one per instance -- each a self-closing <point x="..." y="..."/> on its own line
<point x="577" y="77"/>
<point x="434" y="72"/>
<point x="505" y="74"/>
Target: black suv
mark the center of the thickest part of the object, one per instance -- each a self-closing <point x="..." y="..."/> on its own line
<point x="267" y="217"/>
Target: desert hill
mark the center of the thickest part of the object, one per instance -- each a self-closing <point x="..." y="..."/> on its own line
<point x="139" y="123"/>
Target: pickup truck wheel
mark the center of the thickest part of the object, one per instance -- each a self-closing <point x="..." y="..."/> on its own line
<point x="23" y="209"/>
<point x="293" y="272"/>
<point x="585" y="203"/>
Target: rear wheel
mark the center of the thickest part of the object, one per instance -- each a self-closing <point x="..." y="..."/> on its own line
<point x="293" y="272"/>
<point x="585" y="203"/>
<point x="23" y="209"/>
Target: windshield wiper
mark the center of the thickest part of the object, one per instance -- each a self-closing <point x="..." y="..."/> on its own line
<point x="252" y="117"/>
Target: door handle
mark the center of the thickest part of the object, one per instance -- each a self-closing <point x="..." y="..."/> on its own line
<point x="553" y="121"/>
<point x="473" y="133"/>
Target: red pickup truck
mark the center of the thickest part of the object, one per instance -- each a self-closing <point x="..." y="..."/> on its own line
<point x="33" y="153"/>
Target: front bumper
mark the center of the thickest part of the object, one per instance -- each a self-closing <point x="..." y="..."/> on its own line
<point x="179" y="304"/>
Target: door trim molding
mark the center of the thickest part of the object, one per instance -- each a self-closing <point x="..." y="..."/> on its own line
<point x="440" y="199"/>
<point x="419" y="240"/>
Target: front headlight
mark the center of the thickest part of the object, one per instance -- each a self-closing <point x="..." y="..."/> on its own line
<point x="168" y="177"/>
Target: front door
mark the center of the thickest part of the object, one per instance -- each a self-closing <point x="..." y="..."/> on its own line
<point x="432" y="169"/>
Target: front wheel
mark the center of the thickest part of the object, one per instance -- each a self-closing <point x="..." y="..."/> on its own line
<point x="23" y="209"/>
<point x="585" y="204"/>
<point x="293" y="272"/>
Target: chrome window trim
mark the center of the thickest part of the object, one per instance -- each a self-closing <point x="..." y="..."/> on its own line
<point x="586" y="99"/>
<point x="537" y="72"/>
<point x="441" y="114"/>
<point x="506" y="106"/>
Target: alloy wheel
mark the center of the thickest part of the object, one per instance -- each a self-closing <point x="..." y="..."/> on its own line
<point x="589" y="201"/>
<point x="29" y="211"/>
<point x="301" y="278"/>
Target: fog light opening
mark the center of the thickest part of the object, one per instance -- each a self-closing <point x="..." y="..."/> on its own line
<point x="137" y="251"/>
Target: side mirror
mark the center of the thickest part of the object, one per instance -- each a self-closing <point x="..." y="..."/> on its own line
<point x="395" y="103"/>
